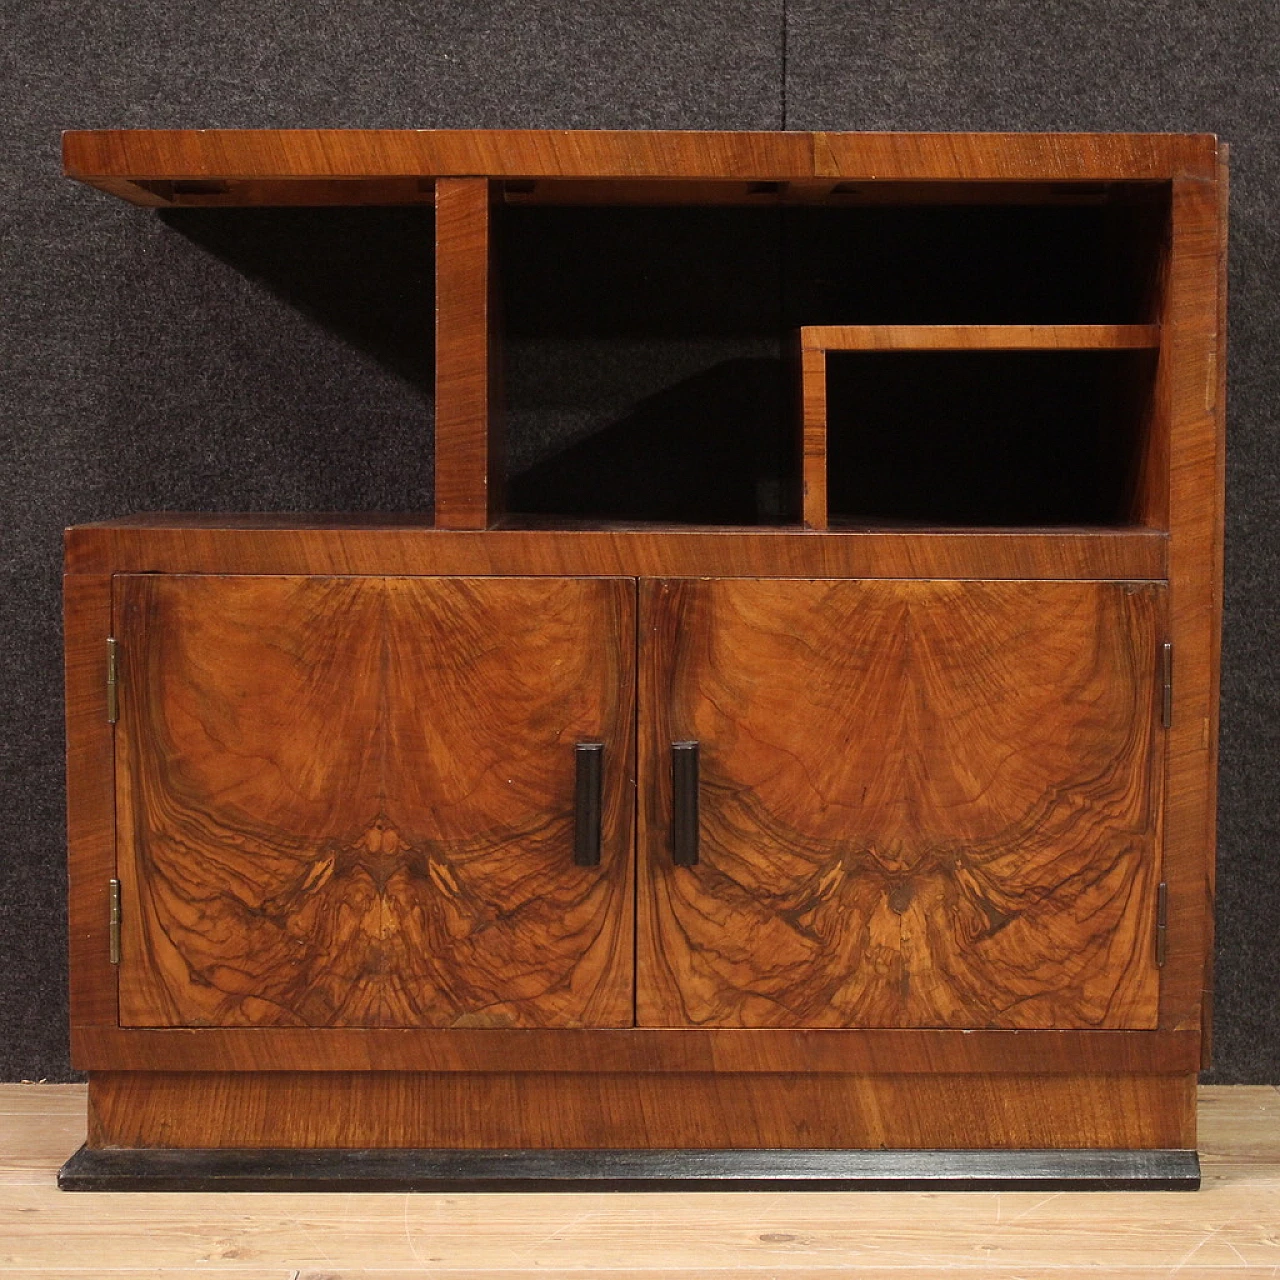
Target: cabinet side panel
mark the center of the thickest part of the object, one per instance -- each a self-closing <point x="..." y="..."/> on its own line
<point x="1193" y="349"/>
<point x="1224" y="196"/>
<point x="517" y="1110"/>
<point x="91" y="844"/>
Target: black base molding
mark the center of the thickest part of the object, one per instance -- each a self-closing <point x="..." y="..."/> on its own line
<point x="119" y="1169"/>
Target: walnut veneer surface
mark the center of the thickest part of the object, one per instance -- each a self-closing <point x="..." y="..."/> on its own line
<point x="325" y="782"/>
<point x="923" y="804"/>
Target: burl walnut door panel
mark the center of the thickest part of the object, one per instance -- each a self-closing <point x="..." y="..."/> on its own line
<point x="350" y="802"/>
<point x="920" y="804"/>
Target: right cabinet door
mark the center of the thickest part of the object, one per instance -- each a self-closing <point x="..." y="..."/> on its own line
<point x="911" y="803"/>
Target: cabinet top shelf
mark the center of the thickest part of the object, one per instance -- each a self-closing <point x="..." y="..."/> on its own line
<point x="974" y="337"/>
<point x="164" y="167"/>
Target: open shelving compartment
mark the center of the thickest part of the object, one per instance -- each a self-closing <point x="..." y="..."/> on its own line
<point x="628" y="327"/>
<point x="644" y="366"/>
<point x="967" y="426"/>
<point x="824" y="356"/>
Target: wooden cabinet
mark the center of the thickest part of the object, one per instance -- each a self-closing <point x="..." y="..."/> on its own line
<point x="802" y="773"/>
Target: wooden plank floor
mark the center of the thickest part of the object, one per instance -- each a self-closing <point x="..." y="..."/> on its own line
<point x="1231" y="1227"/>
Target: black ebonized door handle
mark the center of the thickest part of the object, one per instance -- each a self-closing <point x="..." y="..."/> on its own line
<point x="589" y="758"/>
<point x="684" y="804"/>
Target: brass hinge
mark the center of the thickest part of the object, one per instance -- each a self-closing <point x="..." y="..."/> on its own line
<point x="113" y="682"/>
<point x="1166" y="684"/>
<point x="1162" y="923"/>
<point x="114" y="889"/>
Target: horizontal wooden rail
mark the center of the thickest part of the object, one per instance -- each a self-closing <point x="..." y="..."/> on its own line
<point x="284" y="544"/>
<point x="656" y="1050"/>
<point x="118" y="160"/>
<point x="989" y="337"/>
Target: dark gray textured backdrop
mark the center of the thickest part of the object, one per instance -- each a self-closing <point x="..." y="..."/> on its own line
<point x="153" y="364"/>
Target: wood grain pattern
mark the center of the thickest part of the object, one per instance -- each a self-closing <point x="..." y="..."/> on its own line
<point x="514" y="1109"/>
<point x="923" y="804"/>
<point x="813" y="435"/>
<point x="348" y="802"/>
<point x="978" y="337"/>
<point x="175" y="543"/>
<point x="470" y="462"/>
<point x="1012" y="156"/>
<point x="365" y="154"/>
<point x="1149" y="499"/>
<point x="650" y="1050"/>
<point x="1195" y="543"/>
<point x="91" y="811"/>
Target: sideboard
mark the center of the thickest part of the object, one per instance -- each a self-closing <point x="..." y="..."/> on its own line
<point x="848" y="824"/>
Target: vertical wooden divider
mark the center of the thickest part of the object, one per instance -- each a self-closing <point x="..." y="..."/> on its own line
<point x="470" y="452"/>
<point x="813" y="434"/>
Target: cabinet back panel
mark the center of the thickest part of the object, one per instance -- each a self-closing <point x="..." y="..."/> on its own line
<point x="923" y="804"/>
<point x="350" y="801"/>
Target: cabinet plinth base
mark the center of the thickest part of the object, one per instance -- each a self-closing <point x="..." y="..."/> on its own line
<point x="121" y="1169"/>
<point x="637" y="1111"/>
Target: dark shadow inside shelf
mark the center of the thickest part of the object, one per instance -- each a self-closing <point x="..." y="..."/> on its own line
<point x="709" y="450"/>
<point x="986" y="438"/>
<point x="1094" y="263"/>
<point x="647" y="371"/>
<point x="364" y="273"/>
<point x="643" y="368"/>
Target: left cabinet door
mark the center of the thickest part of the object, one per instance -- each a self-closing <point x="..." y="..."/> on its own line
<point x="352" y="802"/>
